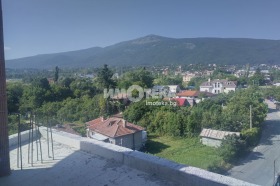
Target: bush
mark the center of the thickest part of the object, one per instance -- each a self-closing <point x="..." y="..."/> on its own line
<point x="231" y="148"/>
<point x="251" y="136"/>
<point x="219" y="167"/>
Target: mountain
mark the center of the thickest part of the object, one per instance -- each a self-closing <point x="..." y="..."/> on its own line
<point x="153" y="49"/>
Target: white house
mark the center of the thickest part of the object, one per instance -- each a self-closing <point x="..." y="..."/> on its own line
<point x="188" y="76"/>
<point x="214" y="138"/>
<point x="218" y="86"/>
<point x="174" y="88"/>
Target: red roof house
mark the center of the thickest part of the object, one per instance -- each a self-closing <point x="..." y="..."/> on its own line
<point x="117" y="131"/>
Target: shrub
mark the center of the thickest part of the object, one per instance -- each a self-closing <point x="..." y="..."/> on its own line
<point x="231" y="148"/>
<point x="251" y="136"/>
<point x="219" y="167"/>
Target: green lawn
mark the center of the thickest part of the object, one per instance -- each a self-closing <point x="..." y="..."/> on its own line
<point x="187" y="151"/>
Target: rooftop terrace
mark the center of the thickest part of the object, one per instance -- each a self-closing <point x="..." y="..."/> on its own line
<point x="83" y="161"/>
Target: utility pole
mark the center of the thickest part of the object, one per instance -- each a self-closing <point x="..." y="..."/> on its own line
<point x="4" y="136"/>
<point x="251" y="125"/>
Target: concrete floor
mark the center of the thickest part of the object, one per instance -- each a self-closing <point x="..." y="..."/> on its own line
<point x="71" y="167"/>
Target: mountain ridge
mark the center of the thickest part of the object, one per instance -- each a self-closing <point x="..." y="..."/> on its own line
<point x="154" y="49"/>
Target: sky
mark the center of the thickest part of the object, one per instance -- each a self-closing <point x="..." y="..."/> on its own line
<point x="33" y="27"/>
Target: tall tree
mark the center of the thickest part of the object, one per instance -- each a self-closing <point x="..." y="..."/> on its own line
<point x="56" y="74"/>
<point x="4" y="138"/>
<point x="104" y="78"/>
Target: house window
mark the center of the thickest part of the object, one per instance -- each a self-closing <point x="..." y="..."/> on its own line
<point x="215" y="91"/>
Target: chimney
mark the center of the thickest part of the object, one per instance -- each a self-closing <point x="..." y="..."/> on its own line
<point x="124" y="123"/>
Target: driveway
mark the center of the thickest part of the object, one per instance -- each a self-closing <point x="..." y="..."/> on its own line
<point x="258" y="167"/>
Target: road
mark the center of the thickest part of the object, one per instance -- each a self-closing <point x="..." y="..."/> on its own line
<point x="258" y="167"/>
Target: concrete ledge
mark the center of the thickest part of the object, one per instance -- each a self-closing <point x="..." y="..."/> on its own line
<point x="13" y="139"/>
<point x="105" y="150"/>
<point x="62" y="137"/>
<point x="182" y="174"/>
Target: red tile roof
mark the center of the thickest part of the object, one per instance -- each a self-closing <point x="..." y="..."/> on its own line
<point x="188" y="93"/>
<point x="194" y="93"/>
<point x="113" y="127"/>
<point x="181" y="101"/>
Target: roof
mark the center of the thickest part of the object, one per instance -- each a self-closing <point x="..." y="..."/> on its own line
<point x="181" y="101"/>
<point x="216" y="134"/>
<point x="188" y="93"/>
<point x="224" y="82"/>
<point x="160" y="87"/>
<point x="194" y="93"/>
<point x="113" y="127"/>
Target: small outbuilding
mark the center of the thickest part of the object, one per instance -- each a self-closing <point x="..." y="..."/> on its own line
<point x="214" y="138"/>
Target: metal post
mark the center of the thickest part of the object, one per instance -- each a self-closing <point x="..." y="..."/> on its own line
<point x="29" y="137"/>
<point x="20" y="142"/>
<point x="251" y="125"/>
<point x="48" y="137"/>
<point x="38" y="132"/>
<point x="36" y="136"/>
<point x="51" y="140"/>
<point x="18" y="145"/>
<point x="274" y="171"/>
<point x="32" y="141"/>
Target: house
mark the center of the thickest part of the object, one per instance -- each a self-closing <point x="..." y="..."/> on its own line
<point x="217" y="86"/>
<point x="214" y="138"/>
<point x="174" y="88"/>
<point x="117" y="131"/>
<point x="181" y="102"/>
<point x="161" y="91"/>
<point x="195" y="95"/>
<point x="188" y="76"/>
<point x="165" y="72"/>
<point x="160" y="88"/>
<point x="188" y="94"/>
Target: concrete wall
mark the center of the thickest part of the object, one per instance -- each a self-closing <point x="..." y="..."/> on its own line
<point x="13" y="139"/>
<point x="211" y="142"/>
<point x="182" y="174"/>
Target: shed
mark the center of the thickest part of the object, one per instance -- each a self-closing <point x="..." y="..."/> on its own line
<point x="214" y="138"/>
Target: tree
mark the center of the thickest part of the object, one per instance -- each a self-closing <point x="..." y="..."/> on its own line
<point x="257" y="78"/>
<point x="236" y="116"/>
<point x="231" y="148"/>
<point x="56" y="74"/>
<point x="4" y="139"/>
<point x="104" y="78"/>
<point x="14" y="94"/>
<point x="139" y="77"/>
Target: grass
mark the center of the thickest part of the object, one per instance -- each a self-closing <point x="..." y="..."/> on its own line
<point x="187" y="151"/>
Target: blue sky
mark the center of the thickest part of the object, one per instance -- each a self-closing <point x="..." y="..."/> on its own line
<point x="34" y="27"/>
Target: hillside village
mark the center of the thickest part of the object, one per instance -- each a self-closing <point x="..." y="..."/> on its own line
<point x="208" y="105"/>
